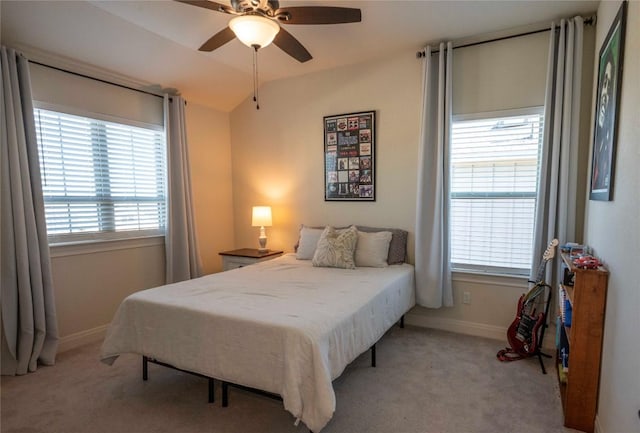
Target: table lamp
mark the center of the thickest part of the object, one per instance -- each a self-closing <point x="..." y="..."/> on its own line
<point x="261" y="217"/>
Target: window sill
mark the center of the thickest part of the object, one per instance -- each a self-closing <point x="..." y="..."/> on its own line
<point x="100" y="246"/>
<point x="486" y="277"/>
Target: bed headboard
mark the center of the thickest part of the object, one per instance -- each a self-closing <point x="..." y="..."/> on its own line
<point x="397" y="246"/>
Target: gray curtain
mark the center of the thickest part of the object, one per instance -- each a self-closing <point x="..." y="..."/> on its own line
<point x="181" y="247"/>
<point x="29" y="328"/>
<point x="433" y="267"/>
<point x="556" y="209"/>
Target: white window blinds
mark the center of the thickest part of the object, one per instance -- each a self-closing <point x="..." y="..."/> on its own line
<point x="494" y="181"/>
<point x="100" y="180"/>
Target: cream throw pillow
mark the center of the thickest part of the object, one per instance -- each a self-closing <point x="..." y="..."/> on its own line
<point x="335" y="249"/>
<point x="372" y="249"/>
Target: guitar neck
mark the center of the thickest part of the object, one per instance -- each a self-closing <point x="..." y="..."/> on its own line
<point x="547" y="256"/>
<point x="541" y="269"/>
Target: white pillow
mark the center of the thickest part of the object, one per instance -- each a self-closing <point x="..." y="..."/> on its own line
<point x="372" y="249"/>
<point x="335" y="248"/>
<point x="308" y="241"/>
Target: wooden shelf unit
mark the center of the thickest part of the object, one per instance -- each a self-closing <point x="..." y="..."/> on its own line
<point x="588" y="299"/>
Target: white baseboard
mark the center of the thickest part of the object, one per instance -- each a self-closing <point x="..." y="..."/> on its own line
<point x="81" y="338"/>
<point x="597" y="426"/>
<point x="457" y="326"/>
<point x="468" y="328"/>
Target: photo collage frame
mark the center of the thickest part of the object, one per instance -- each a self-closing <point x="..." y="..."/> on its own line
<point x="349" y="157"/>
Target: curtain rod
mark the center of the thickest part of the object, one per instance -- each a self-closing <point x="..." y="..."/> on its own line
<point x="97" y="79"/>
<point x="422" y="53"/>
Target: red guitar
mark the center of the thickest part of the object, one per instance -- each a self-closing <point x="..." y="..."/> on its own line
<point x="524" y="330"/>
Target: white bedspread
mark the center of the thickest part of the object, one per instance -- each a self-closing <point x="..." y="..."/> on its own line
<point x="282" y="326"/>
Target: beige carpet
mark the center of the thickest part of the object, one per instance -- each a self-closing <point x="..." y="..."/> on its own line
<point x="425" y="381"/>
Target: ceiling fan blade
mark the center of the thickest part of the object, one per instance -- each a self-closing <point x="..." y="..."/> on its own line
<point x="291" y="46"/>
<point x="320" y="15"/>
<point x="206" y="4"/>
<point x="218" y="40"/>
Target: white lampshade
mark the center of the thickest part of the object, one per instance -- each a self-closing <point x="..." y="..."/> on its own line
<point x="254" y="30"/>
<point x="261" y="216"/>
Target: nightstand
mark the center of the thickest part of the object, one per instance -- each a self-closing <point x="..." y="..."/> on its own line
<point x="245" y="257"/>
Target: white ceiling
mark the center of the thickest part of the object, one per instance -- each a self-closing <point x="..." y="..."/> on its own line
<point x="157" y="41"/>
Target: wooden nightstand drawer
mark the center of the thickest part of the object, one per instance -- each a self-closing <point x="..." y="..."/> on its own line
<point x="245" y="257"/>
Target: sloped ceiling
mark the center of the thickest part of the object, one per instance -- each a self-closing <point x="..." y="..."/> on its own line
<point x="157" y="41"/>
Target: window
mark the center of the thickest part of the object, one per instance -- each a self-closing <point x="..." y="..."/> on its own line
<point x="494" y="181"/>
<point x="101" y="180"/>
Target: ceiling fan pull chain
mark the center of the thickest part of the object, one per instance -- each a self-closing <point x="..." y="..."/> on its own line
<point x="255" y="76"/>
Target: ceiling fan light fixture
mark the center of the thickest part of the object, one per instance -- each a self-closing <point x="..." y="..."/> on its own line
<point x="254" y="30"/>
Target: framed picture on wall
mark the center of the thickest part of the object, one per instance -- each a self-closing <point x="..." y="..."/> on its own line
<point x="607" y="108"/>
<point x="349" y="157"/>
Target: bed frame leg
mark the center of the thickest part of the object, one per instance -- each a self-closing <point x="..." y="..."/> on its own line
<point x="373" y="355"/>
<point x="145" y="368"/>
<point x="211" y="392"/>
<point x="225" y="394"/>
<point x="402" y="321"/>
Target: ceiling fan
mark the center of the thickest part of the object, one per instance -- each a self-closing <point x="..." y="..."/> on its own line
<point x="258" y="22"/>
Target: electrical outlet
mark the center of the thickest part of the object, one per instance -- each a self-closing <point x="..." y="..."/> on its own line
<point x="466" y="297"/>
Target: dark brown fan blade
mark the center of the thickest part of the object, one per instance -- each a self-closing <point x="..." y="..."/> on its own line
<point x="291" y="46"/>
<point x="206" y="4"/>
<point x="218" y="40"/>
<point x="320" y="15"/>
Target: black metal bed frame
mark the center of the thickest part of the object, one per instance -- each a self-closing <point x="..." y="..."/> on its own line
<point x="225" y="385"/>
<point x="145" y="373"/>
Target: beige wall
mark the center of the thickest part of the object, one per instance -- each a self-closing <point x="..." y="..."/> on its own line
<point x="278" y="150"/>
<point x="613" y="230"/>
<point x="210" y="158"/>
<point x="89" y="285"/>
<point x="488" y="78"/>
<point x="492" y="77"/>
<point x="91" y="281"/>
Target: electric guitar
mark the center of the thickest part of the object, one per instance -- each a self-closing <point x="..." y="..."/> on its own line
<point x="523" y="331"/>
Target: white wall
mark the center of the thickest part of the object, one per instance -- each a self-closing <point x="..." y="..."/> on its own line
<point x="613" y="230"/>
<point x="89" y="286"/>
<point x="208" y="132"/>
<point x="277" y="151"/>
<point x="487" y="78"/>
<point x="90" y="281"/>
<point x="497" y="76"/>
<point x="277" y="155"/>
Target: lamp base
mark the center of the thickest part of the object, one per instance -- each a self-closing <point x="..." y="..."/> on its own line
<point x="262" y="240"/>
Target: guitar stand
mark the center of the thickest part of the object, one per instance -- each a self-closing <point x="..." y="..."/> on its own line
<point x="540" y="355"/>
<point x="508" y="354"/>
<point x="538" y="352"/>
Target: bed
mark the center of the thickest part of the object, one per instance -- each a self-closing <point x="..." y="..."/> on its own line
<point x="282" y="326"/>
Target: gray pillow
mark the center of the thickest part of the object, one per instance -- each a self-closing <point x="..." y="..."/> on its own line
<point x="398" y="245"/>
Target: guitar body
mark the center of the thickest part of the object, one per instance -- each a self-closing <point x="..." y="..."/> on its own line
<point x="523" y="331"/>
